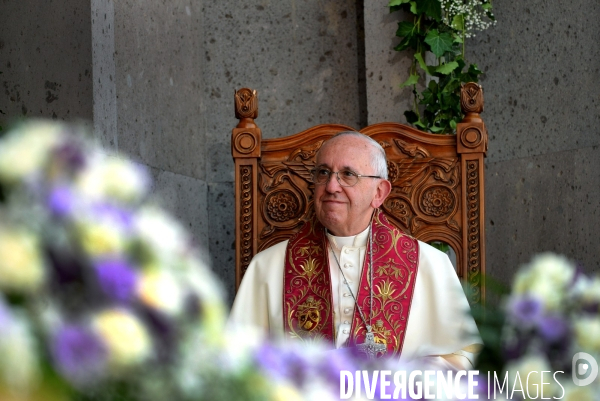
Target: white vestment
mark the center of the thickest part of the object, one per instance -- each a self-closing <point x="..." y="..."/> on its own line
<point x="439" y="323"/>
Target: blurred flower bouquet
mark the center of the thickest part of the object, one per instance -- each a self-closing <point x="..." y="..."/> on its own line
<point x="104" y="297"/>
<point x="100" y="291"/>
<point x="552" y="313"/>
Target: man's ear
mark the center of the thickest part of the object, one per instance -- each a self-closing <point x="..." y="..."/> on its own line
<point x="384" y="187"/>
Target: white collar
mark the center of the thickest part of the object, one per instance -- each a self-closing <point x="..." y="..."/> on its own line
<point x="353" y="241"/>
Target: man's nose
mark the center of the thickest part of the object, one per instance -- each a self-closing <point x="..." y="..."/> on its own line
<point x="333" y="185"/>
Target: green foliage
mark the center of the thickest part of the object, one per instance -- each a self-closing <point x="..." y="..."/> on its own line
<point x="433" y="30"/>
<point x="440" y="245"/>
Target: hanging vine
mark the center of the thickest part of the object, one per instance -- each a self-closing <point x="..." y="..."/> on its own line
<point x="439" y="28"/>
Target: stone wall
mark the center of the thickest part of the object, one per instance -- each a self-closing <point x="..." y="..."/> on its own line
<point x="542" y="112"/>
<point x="45" y="60"/>
<point x="542" y="79"/>
<point x="301" y="57"/>
<point x="157" y="80"/>
<point x="164" y="94"/>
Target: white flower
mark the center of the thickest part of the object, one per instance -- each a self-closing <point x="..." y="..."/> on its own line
<point x="18" y="364"/>
<point x="163" y="235"/>
<point x="25" y="150"/>
<point x="125" y="336"/>
<point x="210" y="293"/>
<point x="237" y="343"/>
<point x="587" y="333"/>
<point x="555" y="268"/>
<point x="21" y="265"/>
<point x="546" y="278"/>
<point x="473" y="14"/>
<point x="588" y="290"/>
<point x="101" y="238"/>
<point x="112" y="177"/>
<point x="160" y="290"/>
<point x="529" y="371"/>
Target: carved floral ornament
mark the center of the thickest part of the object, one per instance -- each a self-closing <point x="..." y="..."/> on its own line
<point x="437" y="201"/>
<point x="282" y="205"/>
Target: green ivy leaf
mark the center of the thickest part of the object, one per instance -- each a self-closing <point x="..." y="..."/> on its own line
<point x="447" y="100"/>
<point x="422" y="64"/>
<point x="472" y="74"/>
<point x="432" y="8"/>
<point x="419" y="124"/>
<point x="458" y="22"/>
<point x="435" y="129"/>
<point x="404" y="44"/>
<point x="453" y="124"/>
<point x="428" y="97"/>
<point x="411" y="116"/>
<point x="433" y="86"/>
<point x="412" y="80"/>
<point x="474" y="70"/>
<point x="486" y="6"/>
<point x="439" y="42"/>
<point x="413" y="7"/>
<point x="393" y="3"/>
<point x="406" y="28"/>
<point x="446" y="68"/>
<point x="451" y="86"/>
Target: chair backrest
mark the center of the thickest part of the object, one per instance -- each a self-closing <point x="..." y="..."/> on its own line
<point x="437" y="194"/>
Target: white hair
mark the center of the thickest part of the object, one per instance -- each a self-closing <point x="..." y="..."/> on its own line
<point x="378" y="160"/>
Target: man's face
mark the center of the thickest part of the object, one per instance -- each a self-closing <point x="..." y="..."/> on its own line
<point x="346" y="211"/>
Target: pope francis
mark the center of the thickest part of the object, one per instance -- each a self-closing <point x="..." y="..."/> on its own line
<point x="351" y="278"/>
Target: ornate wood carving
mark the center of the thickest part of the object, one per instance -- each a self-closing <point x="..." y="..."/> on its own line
<point x="246" y="216"/>
<point x="471" y="98"/>
<point x="437" y="201"/>
<point x="286" y="187"/>
<point x="245" y="143"/>
<point x="473" y="233"/>
<point x="424" y="194"/>
<point x="437" y="190"/>
<point x="246" y="104"/>
<point x="471" y="132"/>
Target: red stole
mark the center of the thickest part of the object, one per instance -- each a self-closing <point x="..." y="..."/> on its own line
<point x="307" y="302"/>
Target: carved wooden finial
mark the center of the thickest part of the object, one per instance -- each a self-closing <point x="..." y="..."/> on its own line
<point x="471" y="132"/>
<point x="471" y="98"/>
<point x="246" y="107"/>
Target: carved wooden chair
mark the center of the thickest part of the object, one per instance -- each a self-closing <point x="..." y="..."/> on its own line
<point x="437" y="180"/>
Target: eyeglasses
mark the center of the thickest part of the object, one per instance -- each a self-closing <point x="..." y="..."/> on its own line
<point x="346" y="178"/>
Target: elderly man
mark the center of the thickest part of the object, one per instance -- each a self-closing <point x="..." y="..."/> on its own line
<point x="322" y="282"/>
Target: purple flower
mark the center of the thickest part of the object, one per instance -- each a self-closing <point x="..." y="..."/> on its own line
<point x="61" y="201"/>
<point x="117" y="279"/>
<point x="336" y="361"/>
<point x="79" y="354"/>
<point x="270" y="359"/>
<point x="122" y="218"/>
<point x="298" y="368"/>
<point x="525" y="310"/>
<point x="552" y="328"/>
<point x="71" y="154"/>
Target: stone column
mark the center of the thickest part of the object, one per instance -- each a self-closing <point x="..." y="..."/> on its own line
<point x="386" y="68"/>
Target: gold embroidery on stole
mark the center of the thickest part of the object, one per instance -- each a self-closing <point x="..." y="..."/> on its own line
<point x="307" y="298"/>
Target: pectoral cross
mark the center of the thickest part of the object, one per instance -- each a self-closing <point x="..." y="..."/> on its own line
<point x="370" y="347"/>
